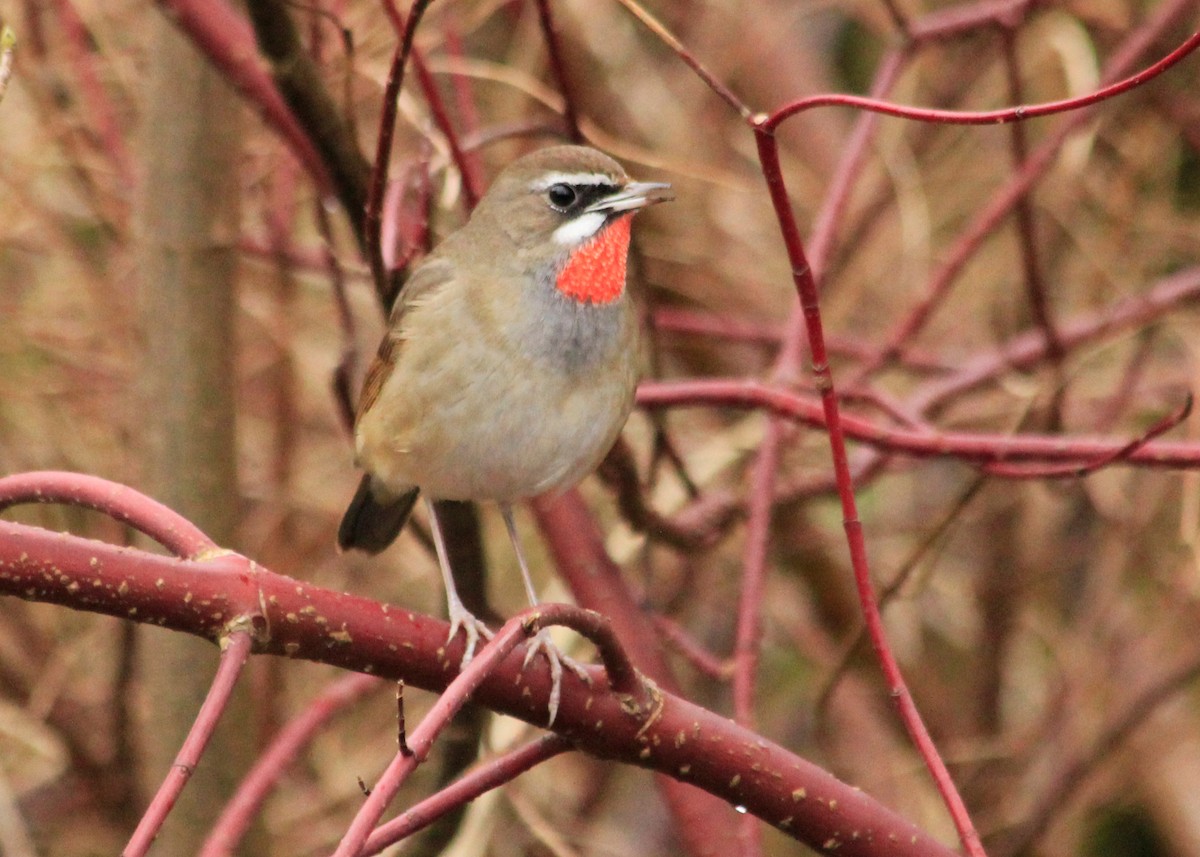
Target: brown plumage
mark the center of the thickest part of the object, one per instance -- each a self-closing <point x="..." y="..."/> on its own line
<point x="510" y="361"/>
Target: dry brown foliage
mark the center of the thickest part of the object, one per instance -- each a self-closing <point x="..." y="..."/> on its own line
<point x="1045" y="625"/>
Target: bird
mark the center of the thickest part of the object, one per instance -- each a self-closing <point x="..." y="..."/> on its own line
<point x="509" y="364"/>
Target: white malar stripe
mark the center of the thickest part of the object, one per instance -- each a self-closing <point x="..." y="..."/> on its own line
<point x="579" y="229"/>
<point x="571" y="179"/>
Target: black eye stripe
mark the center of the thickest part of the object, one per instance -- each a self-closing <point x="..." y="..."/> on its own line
<point x="571" y="197"/>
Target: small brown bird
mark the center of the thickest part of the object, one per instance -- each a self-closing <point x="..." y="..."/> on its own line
<point x="510" y="363"/>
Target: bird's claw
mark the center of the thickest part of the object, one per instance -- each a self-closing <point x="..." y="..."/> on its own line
<point x="464" y="620"/>
<point x="542" y="643"/>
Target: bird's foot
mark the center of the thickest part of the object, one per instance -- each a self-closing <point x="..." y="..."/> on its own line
<point x="542" y="643"/>
<point x="463" y="619"/>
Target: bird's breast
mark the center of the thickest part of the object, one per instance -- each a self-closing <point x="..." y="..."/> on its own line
<point x="503" y="398"/>
<point x="594" y="272"/>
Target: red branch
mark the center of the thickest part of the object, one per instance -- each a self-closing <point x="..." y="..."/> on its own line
<point x="596" y="582"/>
<point x="1122" y="453"/>
<point x="235" y="650"/>
<point x="558" y="67"/>
<point x="983" y="117"/>
<point x="437" y="106"/>
<point x="980" y="447"/>
<point x="1026" y="350"/>
<point x="438" y="718"/>
<point x="806" y="289"/>
<point x="484" y="778"/>
<point x="149" y="517"/>
<point x="299" y="620"/>
<point x="623" y="680"/>
<point x="242" y="808"/>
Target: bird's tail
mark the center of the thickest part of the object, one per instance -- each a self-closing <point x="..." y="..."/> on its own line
<point x="374" y="518"/>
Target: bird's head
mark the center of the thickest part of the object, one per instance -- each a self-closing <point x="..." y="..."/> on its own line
<point x="567" y="210"/>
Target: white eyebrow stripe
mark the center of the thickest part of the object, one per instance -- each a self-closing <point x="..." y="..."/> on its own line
<point x="572" y="179"/>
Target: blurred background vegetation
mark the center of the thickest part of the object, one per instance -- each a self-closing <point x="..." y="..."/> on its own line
<point x="1037" y="620"/>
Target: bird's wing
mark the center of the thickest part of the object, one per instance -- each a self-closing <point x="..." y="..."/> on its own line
<point x="431" y="274"/>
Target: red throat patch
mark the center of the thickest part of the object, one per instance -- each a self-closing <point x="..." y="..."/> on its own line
<point x="595" y="271"/>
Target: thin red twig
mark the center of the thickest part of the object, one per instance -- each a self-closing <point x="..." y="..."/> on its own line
<point x="621" y="676"/>
<point x="239" y="813"/>
<point x="1035" y="285"/>
<point x="751" y="590"/>
<point x="472" y="182"/>
<point x="752" y="586"/>
<point x="963" y="18"/>
<point x="95" y="98"/>
<point x="806" y="289"/>
<point x="1075" y="471"/>
<point x="689" y="322"/>
<point x="485" y="777"/>
<point x="678" y="320"/>
<point x="984" y="117"/>
<point x="667" y="37"/>
<point x="464" y="101"/>
<point x="234" y="654"/>
<point x="1027" y="349"/>
<point x="971" y="447"/>
<point x="149" y="517"/>
<point x="698" y="656"/>
<point x="342" y="381"/>
<point x="850" y="167"/>
<point x="437" y="719"/>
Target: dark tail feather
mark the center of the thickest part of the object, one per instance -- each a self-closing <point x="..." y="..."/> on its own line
<point x="371" y="524"/>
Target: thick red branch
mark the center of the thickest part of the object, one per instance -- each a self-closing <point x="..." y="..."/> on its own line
<point x="298" y="620"/>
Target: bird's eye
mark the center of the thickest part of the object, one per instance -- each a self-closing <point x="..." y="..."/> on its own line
<point x="561" y="195"/>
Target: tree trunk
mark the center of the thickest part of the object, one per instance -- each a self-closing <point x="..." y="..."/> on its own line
<point x="188" y="221"/>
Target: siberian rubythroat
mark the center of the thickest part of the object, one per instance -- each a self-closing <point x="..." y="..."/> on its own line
<point x="510" y="361"/>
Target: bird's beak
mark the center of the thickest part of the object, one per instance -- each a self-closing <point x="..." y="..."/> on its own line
<point x="633" y="196"/>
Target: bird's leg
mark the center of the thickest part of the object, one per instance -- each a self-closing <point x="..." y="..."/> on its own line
<point x="542" y="641"/>
<point x="460" y="616"/>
